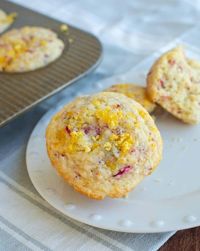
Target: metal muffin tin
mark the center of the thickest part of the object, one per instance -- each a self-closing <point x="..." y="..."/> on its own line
<point x="20" y="91"/>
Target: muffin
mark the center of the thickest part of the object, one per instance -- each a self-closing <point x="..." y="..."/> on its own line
<point x="174" y="83"/>
<point x="136" y="92"/>
<point x="6" y="20"/>
<point x="103" y="145"/>
<point x="28" y="48"/>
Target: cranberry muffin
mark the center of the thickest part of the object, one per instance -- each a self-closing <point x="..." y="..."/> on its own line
<point x="174" y="83"/>
<point x="103" y="145"/>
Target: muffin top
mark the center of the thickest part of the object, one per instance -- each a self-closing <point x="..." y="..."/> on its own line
<point x="114" y="132"/>
<point x="136" y="92"/>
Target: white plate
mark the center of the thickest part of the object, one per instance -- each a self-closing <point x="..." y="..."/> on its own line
<point x="167" y="200"/>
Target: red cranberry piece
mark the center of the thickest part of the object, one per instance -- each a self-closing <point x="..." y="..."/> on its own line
<point x="94" y="130"/>
<point x="162" y="83"/>
<point x="123" y="170"/>
<point x="97" y="130"/>
<point x="67" y="130"/>
<point x="87" y="129"/>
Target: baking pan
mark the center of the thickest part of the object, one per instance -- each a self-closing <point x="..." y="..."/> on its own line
<point x="20" y="91"/>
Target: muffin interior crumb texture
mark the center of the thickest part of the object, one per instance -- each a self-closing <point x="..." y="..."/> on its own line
<point x="174" y="83"/>
<point x="103" y="144"/>
<point x="28" y="48"/>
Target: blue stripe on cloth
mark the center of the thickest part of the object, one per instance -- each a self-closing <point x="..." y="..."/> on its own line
<point x="8" y="242"/>
<point x="23" y="234"/>
<point x="63" y="219"/>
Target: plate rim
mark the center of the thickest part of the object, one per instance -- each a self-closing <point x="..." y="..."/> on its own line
<point x="39" y="126"/>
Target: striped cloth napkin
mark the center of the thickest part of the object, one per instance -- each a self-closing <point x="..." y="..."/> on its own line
<point x="130" y="31"/>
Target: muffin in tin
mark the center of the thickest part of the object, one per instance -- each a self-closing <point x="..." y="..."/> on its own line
<point x="28" y="48"/>
<point x="6" y="20"/>
<point x="104" y="144"/>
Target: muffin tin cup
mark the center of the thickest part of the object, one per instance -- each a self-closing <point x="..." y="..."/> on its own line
<point x="21" y="91"/>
